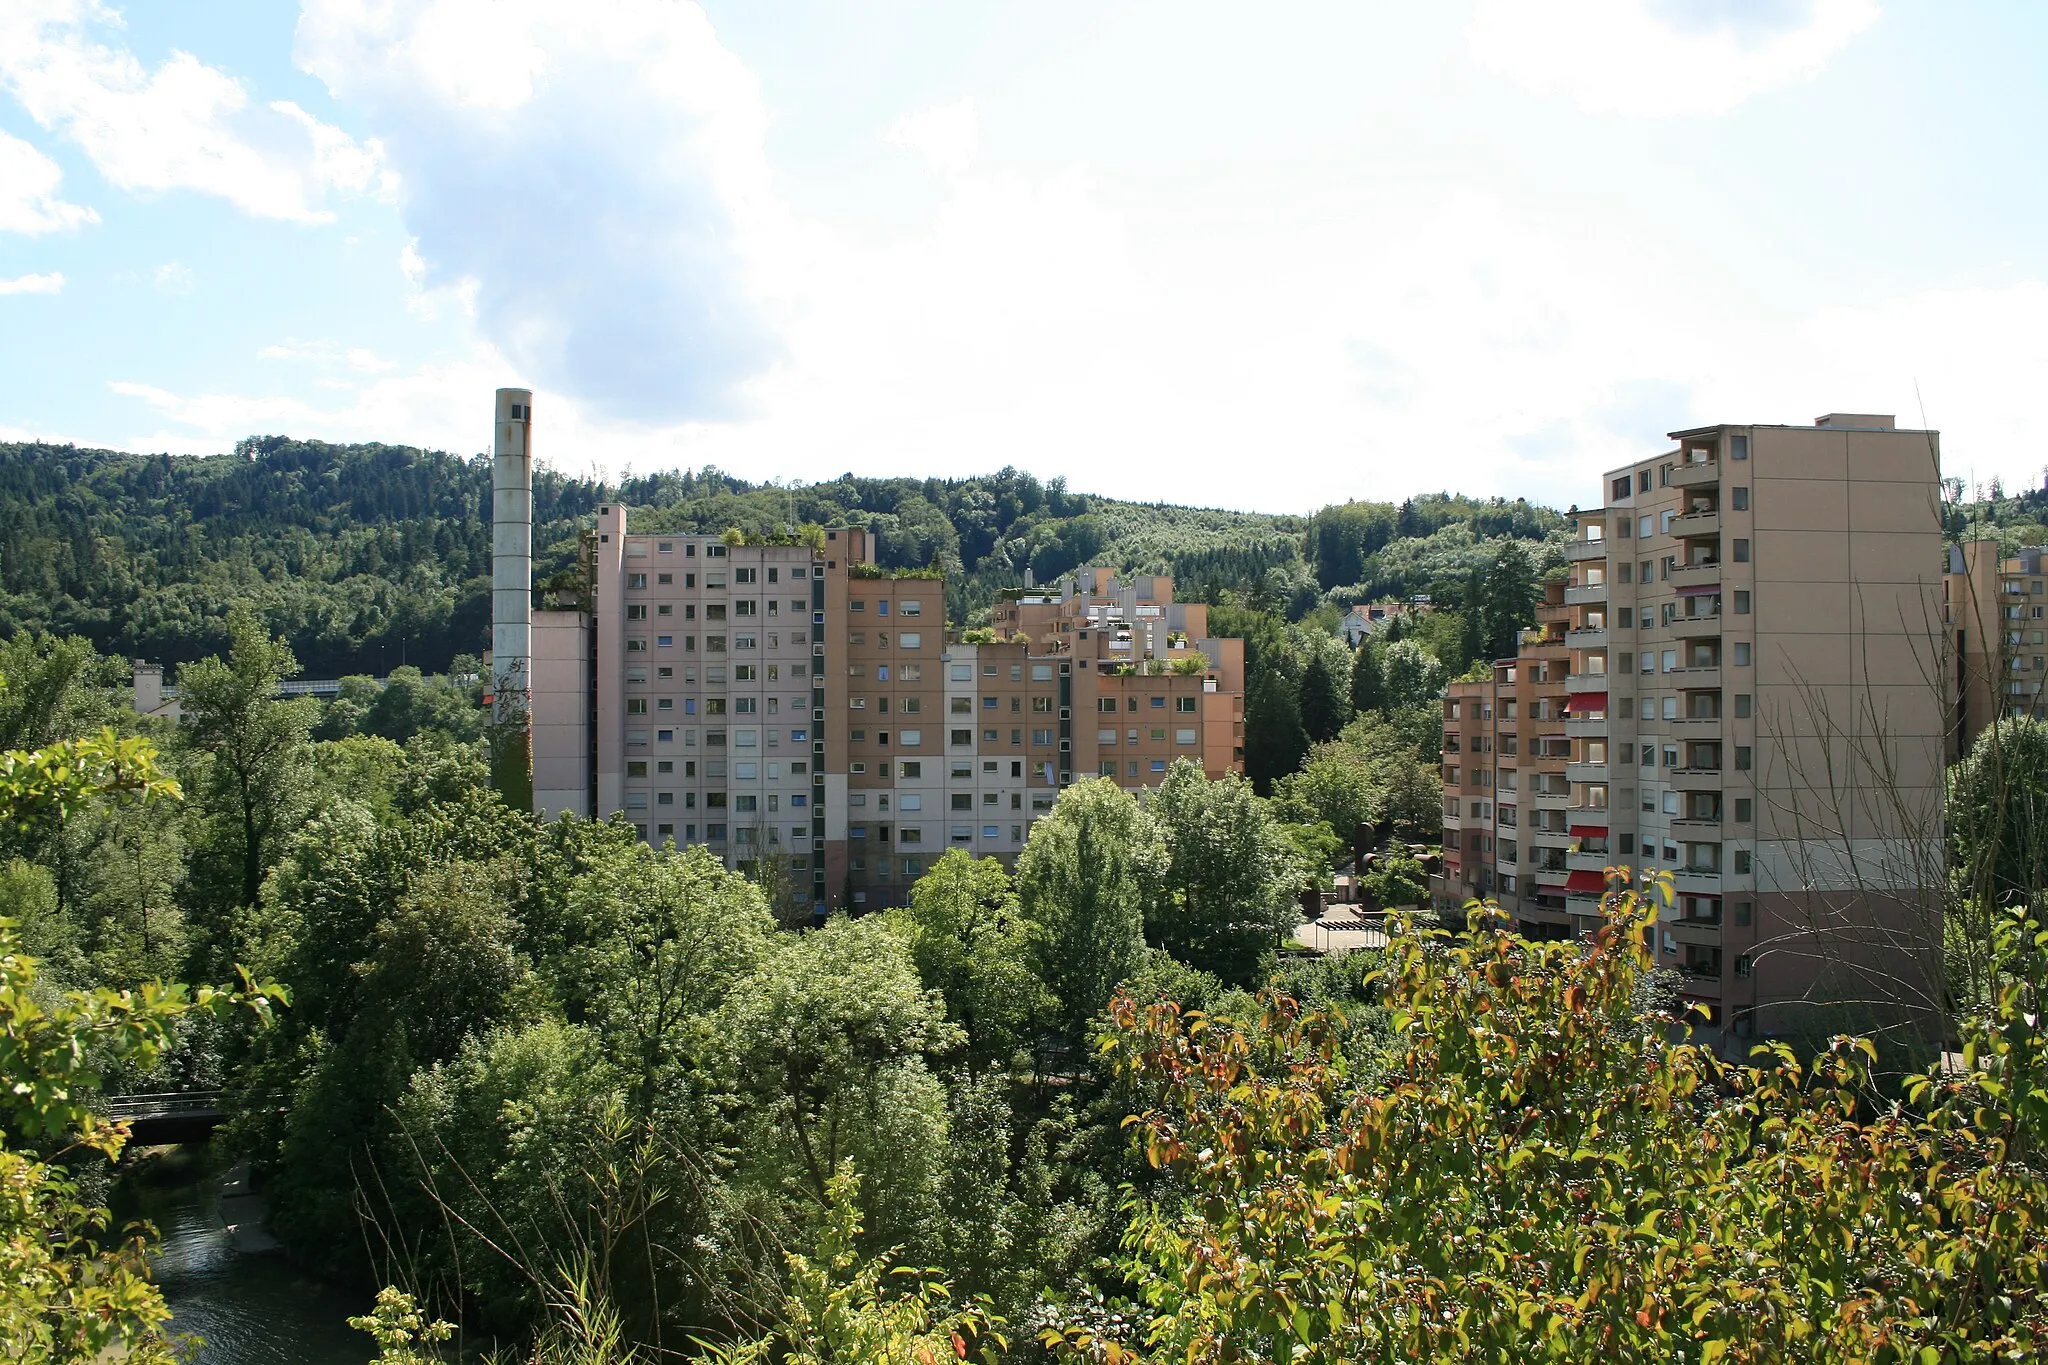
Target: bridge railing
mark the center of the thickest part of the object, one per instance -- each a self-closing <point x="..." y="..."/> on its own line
<point x="163" y="1104"/>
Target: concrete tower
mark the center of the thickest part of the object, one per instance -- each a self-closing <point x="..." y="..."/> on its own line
<point x="512" y="598"/>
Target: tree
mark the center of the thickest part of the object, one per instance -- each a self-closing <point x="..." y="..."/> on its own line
<point x="972" y="944"/>
<point x="253" y="783"/>
<point x="1274" y="739"/>
<point x="1397" y="881"/>
<point x="1510" y="596"/>
<point x="664" y="936"/>
<point x="1547" y="1173"/>
<point x="828" y="1036"/>
<point x="69" y="1294"/>
<point x="1324" y="710"/>
<point x="1227" y="892"/>
<point x="1083" y="880"/>
<point x="1410" y="675"/>
<point x="1338" y="785"/>
<point x="1366" y="692"/>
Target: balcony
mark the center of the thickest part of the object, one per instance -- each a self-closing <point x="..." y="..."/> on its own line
<point x="1550" y="876"/>
<point x="1590" y="725"/>
<point x="1538" y="800"/>
<point x="1696" y="576"/>
<point x="1695" y="779"/>
<point x="1704" y="474"/>
<point x="1696" y="727"/>
<point x="1586" y="772"/>
<point x="1586" y="595"/>
<point x="1586" y="549"/>
<point x="1587" y="637"/>
<point x="1697" y="524"/>
<point x="1689" y="882"/>
<point x="1695" y="679"/>
<point x="1546" y="838"/>
<point x="1588" y="862"/>
<point x="1698" y="827"/>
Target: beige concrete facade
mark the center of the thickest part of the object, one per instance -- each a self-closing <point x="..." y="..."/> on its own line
<point x="1993" y="608"/>
<point x="1755" y="708"/>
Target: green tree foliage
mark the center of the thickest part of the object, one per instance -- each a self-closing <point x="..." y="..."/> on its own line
<point x="1274" y="737"/>
<point x="249" y="746"/>
<point x="663" y="938"/>
<point x="1325" y="709"/>
<point x="1547" y="1175"/>
<point x="1997" y="815"/>
<point x="71" y="1293"/>
<point x="1083" y="879"/>
<point x="829" y="1036"/>
<point x="972" y="944"/>
<point x="1226" y="892"/>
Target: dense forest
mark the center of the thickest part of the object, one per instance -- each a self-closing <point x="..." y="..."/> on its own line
<point x="367" y="557"/>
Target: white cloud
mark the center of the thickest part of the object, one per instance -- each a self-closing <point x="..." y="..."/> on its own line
<point x="175" y="277"/>
<point x="183" y="126"/>
<point x="600" y="187"/>
<point x="360" y="359"/>
<point x="1663" y="57"/>
<point x="28" y="192"/>
<point x="33" y="284"/>
<point x="946" y="135"/>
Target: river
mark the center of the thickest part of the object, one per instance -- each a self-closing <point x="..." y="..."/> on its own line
<point x="250" y="1310"/>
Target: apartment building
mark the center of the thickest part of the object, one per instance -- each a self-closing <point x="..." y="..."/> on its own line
<point x="1993" y="608"/>
<point x="794" y="702"/>
<point x="1750" y="706"/>
<point x="1145" y="681"/>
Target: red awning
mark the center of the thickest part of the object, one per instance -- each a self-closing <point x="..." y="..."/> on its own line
<point x="1589" y="831"/>
<point x="1586" y="881"/>
<point x="1586" y="701"/>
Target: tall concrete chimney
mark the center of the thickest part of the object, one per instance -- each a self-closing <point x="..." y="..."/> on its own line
<point x="512" y="599"/>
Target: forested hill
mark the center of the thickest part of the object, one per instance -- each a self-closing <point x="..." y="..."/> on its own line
<point x="368" y="556"/>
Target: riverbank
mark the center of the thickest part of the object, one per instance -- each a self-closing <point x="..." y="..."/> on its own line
<point x="222" y="1275"/>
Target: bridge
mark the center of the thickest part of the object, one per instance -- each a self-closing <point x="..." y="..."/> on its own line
<point x="169" y="1116"/>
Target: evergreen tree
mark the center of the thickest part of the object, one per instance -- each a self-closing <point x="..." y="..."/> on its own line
<point x="1366" y="693"/>
<point x="1274" y="739"/>
<point x="1324" y="711"/>
<point x="1509" y="597"/>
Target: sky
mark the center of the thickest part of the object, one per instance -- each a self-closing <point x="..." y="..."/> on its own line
<point x="1264" y="257"/>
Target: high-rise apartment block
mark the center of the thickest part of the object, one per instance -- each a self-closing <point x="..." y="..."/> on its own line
<point x="793" y="701"/>
<point x="1996" y="611"/>
<point x="1739" y="686"/>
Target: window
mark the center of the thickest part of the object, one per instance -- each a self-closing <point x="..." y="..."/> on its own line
<point x="961" y="737"/>
<point x="910" y="608"/>
<point x="1743" y="807"/>
<point x="1643" y="481"/>
<point x="1741" y="551"/>
<point x="961" y="673"/>
<point x="1184" y="705"/>
<point x="1621" y="487"/>
<point x="1742" y="601"/>
<point x="636" y="580"/>
<point x="1742" y="704"/>
<point x="881" y="608"/>
<point x="1742" y="754"/>
<point x="1186" y="736"/>
<point x="1626" y="573"/>
<point x="913" y="738"/>
<point x="1041" y="672"/>
<point x="636" y="706"/>
<point x="1041" y="706"/>
<point x="1105" y="736"/>
<point x="910" y="639"/>
<point x="1105" y="703"/>
<point x="1741" y="862"/>
<point x="1738" y="447"/>
<point x="1738" y="498"/>
<point x="636" y="767"/>
<point x="1042" y="738"/>
<point x="1742" y="654"/>
<point x="636" y="612"/>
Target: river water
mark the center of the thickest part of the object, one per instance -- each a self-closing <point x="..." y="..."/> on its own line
<point x="250" y="1310"/>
